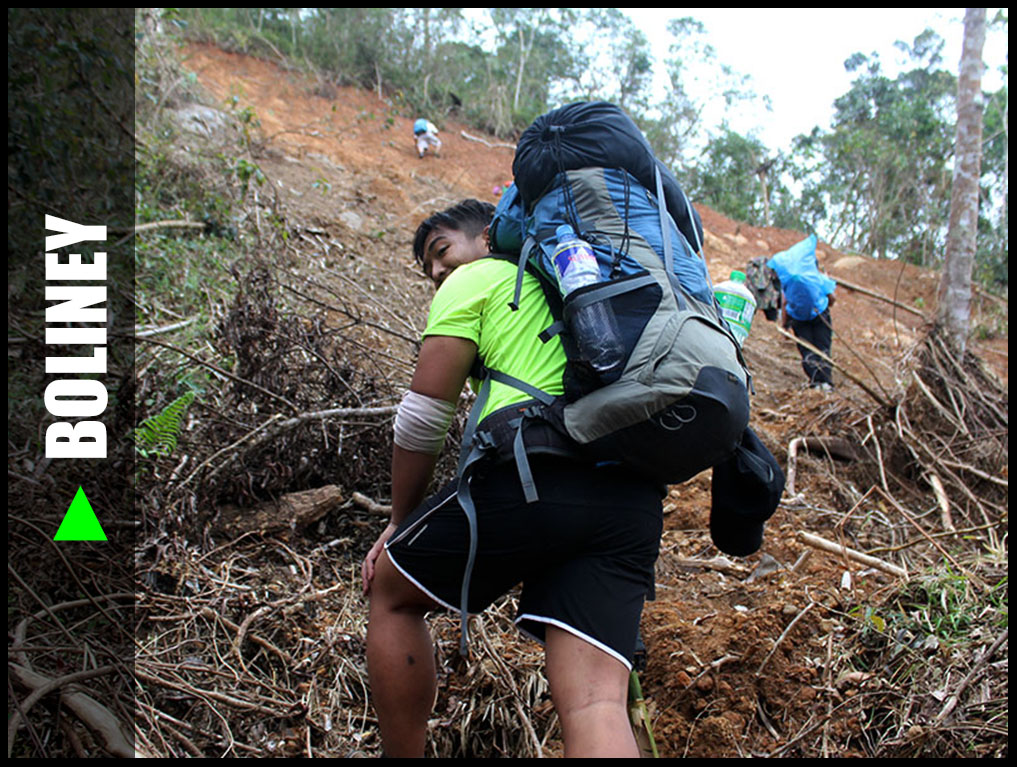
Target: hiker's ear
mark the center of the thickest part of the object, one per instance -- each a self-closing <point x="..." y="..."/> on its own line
<point x="487" y="237"/>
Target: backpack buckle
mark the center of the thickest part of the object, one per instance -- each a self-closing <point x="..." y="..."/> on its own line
<point x="484" y="441"/>
<point x="533" y="411"/>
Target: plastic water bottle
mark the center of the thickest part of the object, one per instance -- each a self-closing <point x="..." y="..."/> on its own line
<point x="593" y="326"/>
<point x="737" y="304"/>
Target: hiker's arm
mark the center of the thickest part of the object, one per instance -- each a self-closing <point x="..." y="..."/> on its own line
<point x="441" y="373"/>
<point x="414" y="472"/>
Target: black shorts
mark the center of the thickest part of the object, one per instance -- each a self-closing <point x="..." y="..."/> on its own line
<point x="584" y="551"/>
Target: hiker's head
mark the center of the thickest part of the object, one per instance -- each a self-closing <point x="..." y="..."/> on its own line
<point x="453" y="237"/>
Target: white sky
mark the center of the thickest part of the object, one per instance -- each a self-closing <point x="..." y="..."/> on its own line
<point x="796" y="56"/>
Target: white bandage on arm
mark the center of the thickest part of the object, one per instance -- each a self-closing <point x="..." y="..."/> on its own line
<point x="422" y="422"/>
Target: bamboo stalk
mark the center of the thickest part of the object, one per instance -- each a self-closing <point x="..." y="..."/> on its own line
<point x="944" y="502"/>
<point x="856" y="556"/>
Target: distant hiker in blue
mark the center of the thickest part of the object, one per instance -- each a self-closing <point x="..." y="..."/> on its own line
<point x="808" y="296"/>
<point x="426" y="135"/>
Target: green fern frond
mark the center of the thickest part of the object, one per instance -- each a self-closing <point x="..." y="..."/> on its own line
<point x="158" y="434"/>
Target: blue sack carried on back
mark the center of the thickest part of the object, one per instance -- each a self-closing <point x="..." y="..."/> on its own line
<point x="805" y="287"/>
<point x="808" y="295"/>
<point x="799" y="259"/>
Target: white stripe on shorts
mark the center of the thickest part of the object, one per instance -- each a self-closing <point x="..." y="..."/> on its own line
<point x="565" y="627"/>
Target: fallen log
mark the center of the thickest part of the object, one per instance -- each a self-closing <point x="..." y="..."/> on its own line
<point x="466" y="135"/>
<point x="291" y="512"/>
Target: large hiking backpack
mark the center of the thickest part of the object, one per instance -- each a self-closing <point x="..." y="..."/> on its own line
<point x="598" y="135"/>
<point x="679" y="404"/>
<point x="595" y="134"/>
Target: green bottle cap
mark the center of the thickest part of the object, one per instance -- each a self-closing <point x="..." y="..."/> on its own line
<point x="738" y="276"/>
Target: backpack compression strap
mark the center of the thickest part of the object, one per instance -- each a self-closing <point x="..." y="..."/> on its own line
<point x="665" y="234"/>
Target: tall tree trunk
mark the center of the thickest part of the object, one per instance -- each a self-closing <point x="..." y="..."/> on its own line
<point x="524" y="54"/>
<point x="954" y="314"/>
<point x="1006" y="160"/>
<point x="766" y="199"/>
<point x="762" y="170"/>
<point x="425" y="15"/>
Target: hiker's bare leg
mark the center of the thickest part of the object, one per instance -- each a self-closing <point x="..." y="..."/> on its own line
<point x="590" y="693"/>
<point x="400" y="661"/>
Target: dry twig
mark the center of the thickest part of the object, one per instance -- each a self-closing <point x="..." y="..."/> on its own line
<point x="882" y="401"/>
<point x="954" y="699"/>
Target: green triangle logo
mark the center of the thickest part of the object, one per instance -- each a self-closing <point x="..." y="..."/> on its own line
<point x="80" y="522"/>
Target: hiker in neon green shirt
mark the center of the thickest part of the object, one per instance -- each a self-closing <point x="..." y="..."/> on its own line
<point x="584" y="551"/>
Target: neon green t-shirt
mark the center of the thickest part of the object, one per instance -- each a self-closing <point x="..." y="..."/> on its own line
<point x="473" y="302"/>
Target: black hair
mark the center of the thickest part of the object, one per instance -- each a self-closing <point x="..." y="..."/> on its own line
<point x="469" y="217"/>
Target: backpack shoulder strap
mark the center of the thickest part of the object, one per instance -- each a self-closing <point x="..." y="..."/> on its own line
<point x="478" y="444"/>
<point x="550" y="290"/>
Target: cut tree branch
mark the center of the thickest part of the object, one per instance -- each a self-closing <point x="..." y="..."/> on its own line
<point x="879" y="297"/>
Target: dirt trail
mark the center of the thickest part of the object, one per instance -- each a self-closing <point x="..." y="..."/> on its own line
<point x="729" y="675"/>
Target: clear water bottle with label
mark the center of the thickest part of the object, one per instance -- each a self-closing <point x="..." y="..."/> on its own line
<point x="593" y="326"/>
<point x="737" y="305"/>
